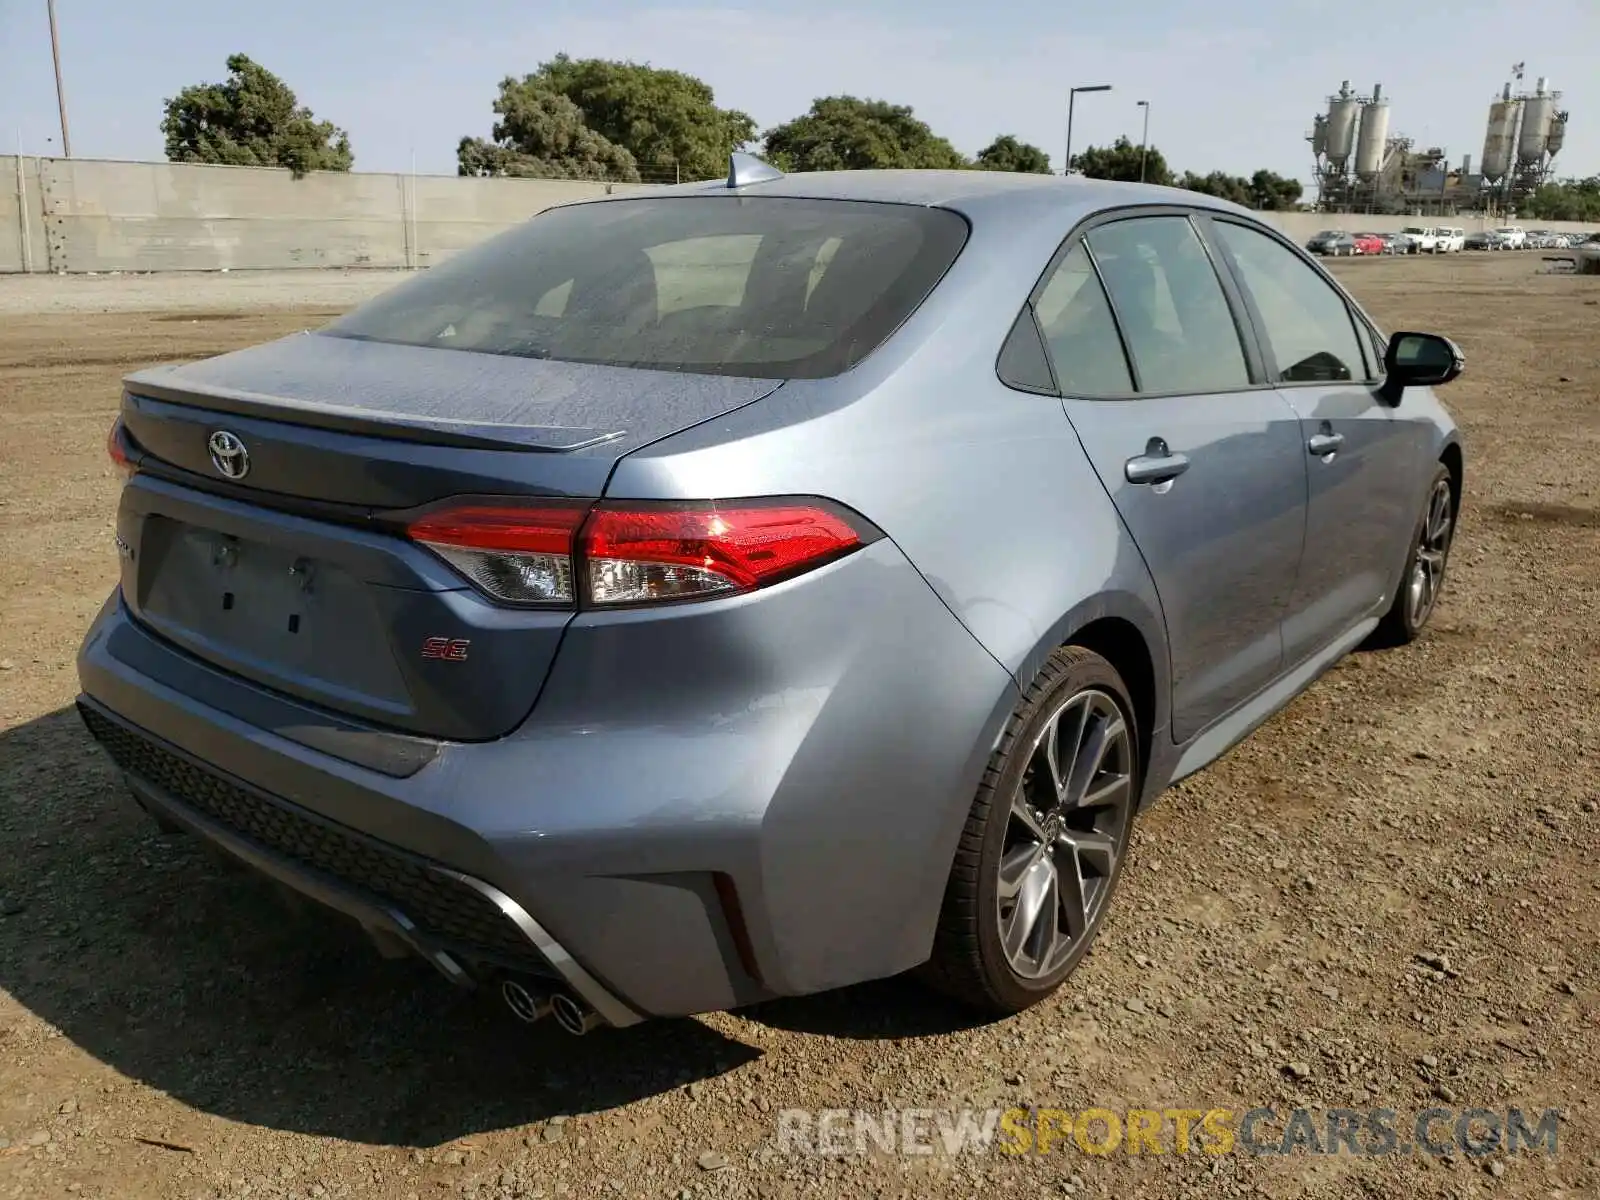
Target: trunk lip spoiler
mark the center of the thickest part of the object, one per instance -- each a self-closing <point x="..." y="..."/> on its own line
<point x="469" y="435"/>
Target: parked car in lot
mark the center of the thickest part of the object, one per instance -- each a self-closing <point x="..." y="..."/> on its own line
<point x="1334" y="243"/>
<point x="1420" y="238"/>
<point x="1367" y="243"/>
<point x="1448" y="239"/>
<point x="1513" y="237"/>
<point x="1484" y="239"/>
<point x="1393" y="243"/>
<point x="745" y="589"/>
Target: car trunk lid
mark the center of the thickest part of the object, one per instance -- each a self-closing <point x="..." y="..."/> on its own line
<point x="344" y="421"/>
<point x="294" y="572"/>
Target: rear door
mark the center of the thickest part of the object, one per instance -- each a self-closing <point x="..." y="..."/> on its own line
<point x="1363" y="454"/>
<point x="1204" y="465"/>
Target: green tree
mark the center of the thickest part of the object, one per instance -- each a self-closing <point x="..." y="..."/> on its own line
<point x="542" y="134"/>
<point x="251" y="120"/>
<point x="1569" y="200"/>
<point x="1263" y="190"/>
<point x="1219" y="184"/>
<point x="667" y="120"/>
<point x="1120" y="161"/>
<point x="1272" y="192"/>
<point x="843" y="133"/>
<point x="1006" y="153"/>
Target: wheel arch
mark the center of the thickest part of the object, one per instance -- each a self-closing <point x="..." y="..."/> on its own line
<point x="1455" y="463"/>
<point x="1119" y="642"/>
<point x="1127" y="630"/>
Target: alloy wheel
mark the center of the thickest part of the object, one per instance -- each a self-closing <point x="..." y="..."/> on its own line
<point x="1066" y="830"/>
<point x="1433" y="546"/>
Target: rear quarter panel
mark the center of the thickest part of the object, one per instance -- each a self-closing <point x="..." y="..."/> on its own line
<point x="989" y="495"/>
<point x="985" y="489"/>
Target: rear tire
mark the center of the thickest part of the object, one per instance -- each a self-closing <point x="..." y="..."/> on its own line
<point x="1044" y="842"/>
<point x="1426" y="558"/>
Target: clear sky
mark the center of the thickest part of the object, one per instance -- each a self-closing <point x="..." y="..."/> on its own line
<point x="1231" y="87"/>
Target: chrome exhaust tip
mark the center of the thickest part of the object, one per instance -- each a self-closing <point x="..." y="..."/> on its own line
<point x="525" y="1005"/>
<point x="573" y="1015"/>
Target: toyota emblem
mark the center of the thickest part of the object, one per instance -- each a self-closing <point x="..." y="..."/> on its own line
<point x="228" y="455"/>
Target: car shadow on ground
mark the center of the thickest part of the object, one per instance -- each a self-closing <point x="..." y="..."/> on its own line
<point x="179" y="968"/>
<point x="885" y="1009"/>
<point x="185" y="972"/>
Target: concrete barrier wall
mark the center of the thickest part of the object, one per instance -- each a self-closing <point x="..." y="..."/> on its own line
<point x="81" y="215"/>
<point x="88" y="215"/>
<point x="22" y="235"/>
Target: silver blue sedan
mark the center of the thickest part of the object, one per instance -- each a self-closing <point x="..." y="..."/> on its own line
<point x="748" y="588"/>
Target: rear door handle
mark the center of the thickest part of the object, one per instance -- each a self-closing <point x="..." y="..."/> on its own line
<point x="1158" y="464"/>
<point x="1325" y="443"/>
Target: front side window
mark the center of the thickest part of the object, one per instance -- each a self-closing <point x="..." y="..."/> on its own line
<point x="1170" y="305"/>
<point x="1307" y="323"/>
<point x="775" y="287"/>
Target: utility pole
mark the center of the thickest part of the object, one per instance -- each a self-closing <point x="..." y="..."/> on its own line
<point x="1144" y="143"/>
<point x="61" y="91"/>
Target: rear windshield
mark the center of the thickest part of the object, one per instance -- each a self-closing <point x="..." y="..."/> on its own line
<point x="771" y="287"/>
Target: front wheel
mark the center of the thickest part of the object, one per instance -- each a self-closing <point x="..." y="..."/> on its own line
<point x="1044" y="841"/>
<point x="1423" y="578"/>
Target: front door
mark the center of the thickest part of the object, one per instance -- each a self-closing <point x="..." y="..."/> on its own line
<point x="1206" y="472"/>
<point x="1363" y="454"/>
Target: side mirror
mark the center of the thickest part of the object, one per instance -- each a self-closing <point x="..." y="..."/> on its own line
<point x="1419" y="360"/>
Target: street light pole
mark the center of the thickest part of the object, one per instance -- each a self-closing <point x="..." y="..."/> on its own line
<point x="1144" y="143"/>
<point x="61" y="91"/>
<point x="1072" y="96"/>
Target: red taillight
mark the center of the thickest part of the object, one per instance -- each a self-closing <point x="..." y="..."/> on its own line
<point x="636" y="553"/>
<point x="522" y="555"/>
<point x="633" y="555"/>
<point x="117" y="451"/>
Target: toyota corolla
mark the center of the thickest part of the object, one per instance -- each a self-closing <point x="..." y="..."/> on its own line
<point x="745" y="589"/>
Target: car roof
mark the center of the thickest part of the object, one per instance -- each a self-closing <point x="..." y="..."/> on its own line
<point x="982" y="195"/>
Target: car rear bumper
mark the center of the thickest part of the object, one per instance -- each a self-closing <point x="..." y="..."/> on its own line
<point x="708" y="806"/>
<point x="454" y="921"/>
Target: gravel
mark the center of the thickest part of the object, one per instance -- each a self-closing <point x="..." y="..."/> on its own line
<point x="1376" y="901"/>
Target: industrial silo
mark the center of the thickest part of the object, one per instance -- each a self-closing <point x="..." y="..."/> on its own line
<point x="1319" y="135"/>
<point x="1557" y="135"/>
<point x="1374" y="134"/>
<point x="1341" y="128"/>
<point x="1538" y="111"/>
<point x="1497" y="147"/>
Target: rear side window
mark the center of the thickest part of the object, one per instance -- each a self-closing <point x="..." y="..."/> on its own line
<point x="770" y="287"/>
<point x="1170" y="305"/>
<point x="1307" y="323"/>
<point x="1080" y="332"/>
<point x="1022" y="362"/>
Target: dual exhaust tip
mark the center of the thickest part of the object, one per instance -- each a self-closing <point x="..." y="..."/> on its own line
<point x="530" y="1005"/>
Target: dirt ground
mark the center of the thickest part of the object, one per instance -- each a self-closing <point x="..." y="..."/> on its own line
<point x="1388" y="898"/>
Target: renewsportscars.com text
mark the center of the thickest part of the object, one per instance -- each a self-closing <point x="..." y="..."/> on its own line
<point x="1375" y="1132"/>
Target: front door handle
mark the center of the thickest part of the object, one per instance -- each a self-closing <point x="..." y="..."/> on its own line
<point x="1322" y="444"/>
<point x="1158" y="464"/>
